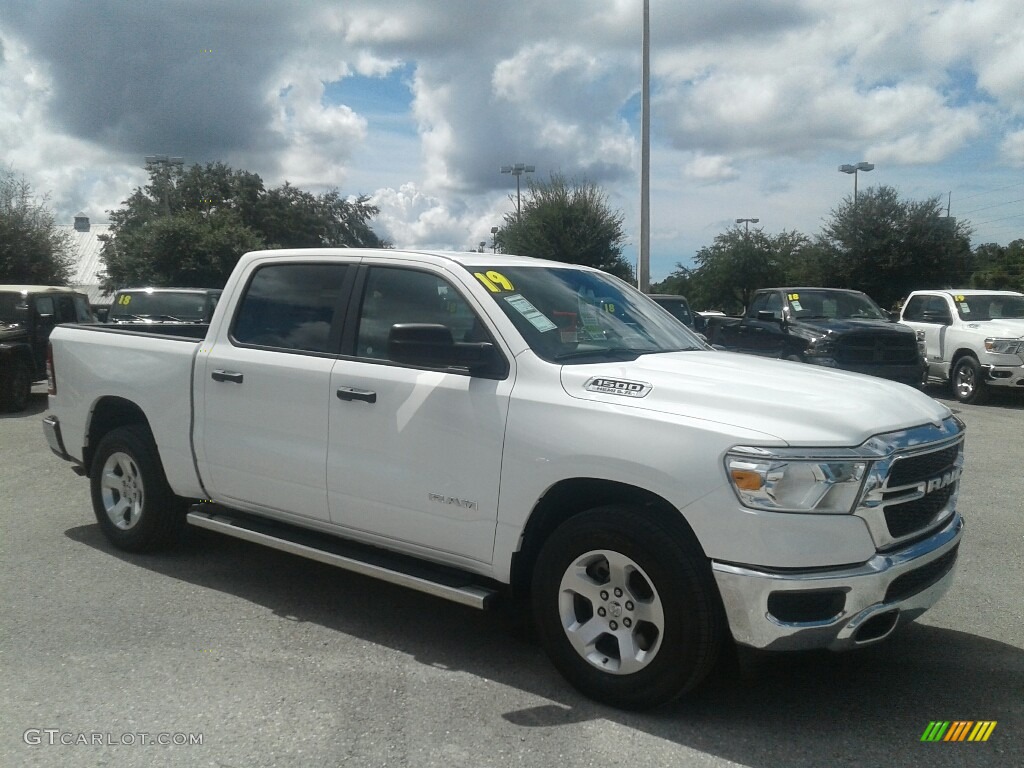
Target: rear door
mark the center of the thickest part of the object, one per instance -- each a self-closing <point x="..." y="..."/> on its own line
<point x="415" y="453"/>
<point x="266" y="389"/>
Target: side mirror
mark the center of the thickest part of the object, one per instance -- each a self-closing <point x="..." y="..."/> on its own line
<point x="770" y="317"/>
<point x="431" y="345"/>
<point x="933" y="316"/>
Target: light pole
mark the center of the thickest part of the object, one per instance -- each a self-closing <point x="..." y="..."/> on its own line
<point x="494" y="239"/>
<point x="861" y="166"/>
<point x="643" y="266"/>
<point x="748" y="222"/>
<point x="164" y="162"/>
<point x="517" y="170"/>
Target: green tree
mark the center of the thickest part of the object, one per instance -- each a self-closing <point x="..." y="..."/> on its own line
<point x="727" y="272"/>
<point x="33" y="247"/>
<point x="999" y="267"/>
<point x="887" y="246"/>
<point x="190" y="226"/>
<point x="567" y="220"/>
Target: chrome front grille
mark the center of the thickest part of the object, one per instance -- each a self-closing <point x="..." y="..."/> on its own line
<point x="912" y="489"/>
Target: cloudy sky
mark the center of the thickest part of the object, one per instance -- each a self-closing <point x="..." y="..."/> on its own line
<point x="418" y="103"/>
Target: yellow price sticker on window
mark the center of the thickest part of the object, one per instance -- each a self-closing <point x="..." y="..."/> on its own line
<point x="125" y="299"/>
<point x="794" y="297"/>
<point x="495" y="282"/>
<point x="959" y="298"/>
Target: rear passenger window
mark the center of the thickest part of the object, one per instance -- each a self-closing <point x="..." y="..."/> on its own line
<point x="290" y="306"/>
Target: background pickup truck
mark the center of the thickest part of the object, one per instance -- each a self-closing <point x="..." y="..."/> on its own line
<point x="828" y="327"/>
<point x="28" y="313"/>
<point x="163" y="305"/>
<point x="974" y="339"/>
<point x="481" y="427"/>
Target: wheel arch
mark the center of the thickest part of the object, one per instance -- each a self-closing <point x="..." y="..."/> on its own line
<point x="109" y="413"/>
<point x="961" y="353"/>
<point x="572" y="496"/>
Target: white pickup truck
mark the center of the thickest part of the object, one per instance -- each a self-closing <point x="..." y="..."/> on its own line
<point x="482" y="427"/>
<point x="974" y="339"/>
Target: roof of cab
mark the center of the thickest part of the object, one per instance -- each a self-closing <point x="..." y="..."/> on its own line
<point x="37" y="289"/>
<point x="467" y="259"/>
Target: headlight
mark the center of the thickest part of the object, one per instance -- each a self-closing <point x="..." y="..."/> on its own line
<point x="1004" y="346"/>
<point x="824" y="347"/>
<point x="778" y="483"/>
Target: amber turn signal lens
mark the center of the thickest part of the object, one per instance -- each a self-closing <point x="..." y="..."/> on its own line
<point x="746" y="480"/>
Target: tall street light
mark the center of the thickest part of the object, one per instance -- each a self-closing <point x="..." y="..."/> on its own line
<point x="748" y="222"/>
<point x="517" y="170"/>
<point x="861" y="166"/>
<point x="643" y="266"/>
<point x="165" y="163"/>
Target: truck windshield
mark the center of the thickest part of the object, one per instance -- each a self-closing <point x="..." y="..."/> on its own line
<point x="13" y="308"/>
<point x="832" y="305"/>
<point x="990" y="306"/>
<point x="572" y="315"/>
<point x="181" y="306"/>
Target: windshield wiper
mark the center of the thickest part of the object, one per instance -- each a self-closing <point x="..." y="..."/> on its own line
<point x="610" y="353"/>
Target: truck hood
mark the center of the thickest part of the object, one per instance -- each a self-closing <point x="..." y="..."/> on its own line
<point x="1004" y="328"/>
<point x="812" y="406"/>
<point x="12" y="331"/>
<point x="813" y="328"/>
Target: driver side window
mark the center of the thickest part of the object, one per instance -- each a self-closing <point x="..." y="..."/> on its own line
<point x="397" y="295"/>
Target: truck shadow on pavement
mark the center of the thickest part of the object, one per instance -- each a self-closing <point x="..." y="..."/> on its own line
<point x="868" y="707"/>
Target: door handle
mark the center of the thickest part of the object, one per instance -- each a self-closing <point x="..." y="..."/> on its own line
<point x="232" y="376"/>
<point x="352" y="393"/>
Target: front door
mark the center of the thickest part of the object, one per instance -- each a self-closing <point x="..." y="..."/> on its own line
<point x="415" y="453"/>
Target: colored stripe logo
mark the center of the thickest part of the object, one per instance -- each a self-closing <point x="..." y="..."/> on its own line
<point x="958" y="730"/>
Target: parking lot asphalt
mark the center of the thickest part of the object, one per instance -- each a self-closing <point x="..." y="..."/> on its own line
<point x="272" y="660"/>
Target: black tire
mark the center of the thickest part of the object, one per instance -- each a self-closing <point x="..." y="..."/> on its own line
<point x="134" y="505"/>
<point x="16" y="387"/>
<point x="666" y="614"/>
<point x="968" y="382"/>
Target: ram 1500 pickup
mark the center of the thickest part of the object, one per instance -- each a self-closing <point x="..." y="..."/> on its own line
<point x="829" y="327"/>
<point x="479" y="426"/>
<point x="974" y="339"/>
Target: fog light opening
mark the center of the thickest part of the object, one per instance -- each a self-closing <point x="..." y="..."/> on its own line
<point x="876" y="627"/>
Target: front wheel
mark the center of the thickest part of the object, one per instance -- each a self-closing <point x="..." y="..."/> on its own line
<point x="134" y="505"/>
<point x="968" y="381"/>
<point x="626" y="607"/>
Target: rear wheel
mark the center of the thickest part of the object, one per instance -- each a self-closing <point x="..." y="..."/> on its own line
<point x="626" y="607"/>
<point x="968" y="381"/>
<point x="134" y="505"/>
<point x="16" y="386"/>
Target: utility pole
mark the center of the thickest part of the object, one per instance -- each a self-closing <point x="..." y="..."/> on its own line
<point x="644" y="260"/>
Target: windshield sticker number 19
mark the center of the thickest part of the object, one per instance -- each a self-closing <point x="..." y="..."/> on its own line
<point x="495" y="282"/>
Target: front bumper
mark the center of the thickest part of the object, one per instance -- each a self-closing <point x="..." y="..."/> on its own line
<point x="838" y="608"/>
<point x="912" y="374"/>
<point x="1004" y="375"/>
